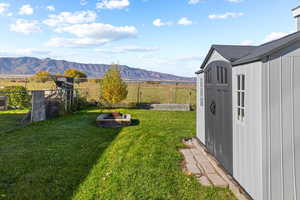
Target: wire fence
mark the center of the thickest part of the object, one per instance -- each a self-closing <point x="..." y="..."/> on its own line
<point x="164" y="92"/>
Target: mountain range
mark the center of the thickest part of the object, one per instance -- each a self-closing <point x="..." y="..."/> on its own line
<point x="31" y="65"/>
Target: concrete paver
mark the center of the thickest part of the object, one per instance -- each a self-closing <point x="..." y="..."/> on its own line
<point x="204" y="181"/>
<point x="207" y="169"/>
<point x="217" y="180"/>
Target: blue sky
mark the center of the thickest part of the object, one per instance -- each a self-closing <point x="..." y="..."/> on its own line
<point x="169" y="36"/>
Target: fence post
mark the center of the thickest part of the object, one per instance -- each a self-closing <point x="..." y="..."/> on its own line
<point x="38" y="110"/>
<point x="190" y="97"/>
<point x="138" y="93"/>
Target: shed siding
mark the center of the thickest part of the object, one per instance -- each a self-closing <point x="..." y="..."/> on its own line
<point x="247" y="135"/>
<point x="200" y="108"/>
<point x="282" y="112"/>
<point x="215" y="56"/>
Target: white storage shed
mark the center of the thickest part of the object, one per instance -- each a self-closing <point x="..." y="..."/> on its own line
<point x="248" y="114"/>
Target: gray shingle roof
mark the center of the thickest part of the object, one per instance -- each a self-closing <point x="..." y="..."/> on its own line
<point x="230" y="52"/>
<point x="268" y="49"/>
<point x="239" y="55"/>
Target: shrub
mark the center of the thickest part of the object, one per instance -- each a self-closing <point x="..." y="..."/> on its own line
<point x="113" y="88"/>
<point x="76" y="74"/>
<point x="42" y="76"/>
<point x="17" y="95"/>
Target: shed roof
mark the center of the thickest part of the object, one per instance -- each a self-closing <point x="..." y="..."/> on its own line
<point x="238" y="55"/>
<point x="268" y="49"/>
<point x="230" y="52"/>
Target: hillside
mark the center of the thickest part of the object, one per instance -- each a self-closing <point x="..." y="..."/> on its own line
<point x="31" y="65"/>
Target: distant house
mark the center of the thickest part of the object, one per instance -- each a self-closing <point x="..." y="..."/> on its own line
<point x="248" y="114"/>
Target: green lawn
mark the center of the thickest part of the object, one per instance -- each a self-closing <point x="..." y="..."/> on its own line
<point x="71" y="158"/>
<point x="11" y="119"/>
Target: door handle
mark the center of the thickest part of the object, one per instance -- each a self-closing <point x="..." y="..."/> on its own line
<point x="213" y="107"/>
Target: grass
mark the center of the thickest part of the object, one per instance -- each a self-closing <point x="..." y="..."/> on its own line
<point x="11" y="119"/>
<point x="71" y="158"/>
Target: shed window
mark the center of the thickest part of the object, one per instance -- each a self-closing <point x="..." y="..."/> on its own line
<point x="222" y="75"/>
<point x="241" y="97"/>
<point x="208" y="76"/>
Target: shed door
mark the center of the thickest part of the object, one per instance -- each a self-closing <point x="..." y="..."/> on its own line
<point x="218" y="111"/>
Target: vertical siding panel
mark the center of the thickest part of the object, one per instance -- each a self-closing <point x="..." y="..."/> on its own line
<point x="200" y="108"/>
<point x="281" y="127"/>
<point x="297" y="124"/>
<point x="257" y="118"/>
<point x="293" y="126"/>
<point x="250" y="97"/>
<point x="269" y="131"/>
<point x="248" y="135"/>
<point x="276" y="173"/>
<point x="264" y="129"/>
<point x="287" y="149"/>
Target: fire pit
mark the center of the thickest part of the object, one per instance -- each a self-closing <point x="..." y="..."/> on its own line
<point x="113" y="120"/>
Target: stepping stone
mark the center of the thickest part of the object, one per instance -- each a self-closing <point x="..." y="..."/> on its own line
<point x="199" y="156"/>
<point x="192" y="168"/>
<point x="217" y="180"/>
<point x="188" y="156"/>
<point x="203" y="180"/>
<point x="208" y="168"/>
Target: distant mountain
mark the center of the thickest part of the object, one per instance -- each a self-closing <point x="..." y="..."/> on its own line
<point x="30" y="65"/>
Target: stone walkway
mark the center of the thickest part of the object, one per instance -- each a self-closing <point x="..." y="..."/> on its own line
<point x="207" y="169"/>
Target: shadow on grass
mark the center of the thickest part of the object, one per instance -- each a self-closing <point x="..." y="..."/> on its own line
<point x="50" y="159"/>
<point x="10" y="121"/>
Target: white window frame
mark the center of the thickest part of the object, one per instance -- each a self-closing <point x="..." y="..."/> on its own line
<point x="241" y="97"/>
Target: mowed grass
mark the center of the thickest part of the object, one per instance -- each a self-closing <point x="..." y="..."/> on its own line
<point x="11" y="119"/>
<point x="71" y="158"/>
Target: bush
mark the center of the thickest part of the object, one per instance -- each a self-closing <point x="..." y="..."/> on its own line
<point x="76" y="74"/>
<point x="113" y="89"/>
<point x="17" y="95"/>
<point x="42" y="77"/>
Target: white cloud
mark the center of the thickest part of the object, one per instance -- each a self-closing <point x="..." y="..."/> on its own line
<point x="190" y="58"/>
<point x="235" y="1"/>
<point x="50" y="8"/>
<point x="29" y="51"/>
<point x="124" y="49"/>
<point x="65" y="18"/>
<point x="83" y="2"/>
<point x="26" y="10"/>
<point x="247" y="42"/>
<point x="113" y="4"/>
<point x="25" y="52"/>
<point x="194" y="1"/>
<point x="92" y="34"/>
<point x="185" y="21"/>
<point x="159" y="23"/>
<point x="4" y="9"/>
<point x="25" y="26"/>
<point x="76" y="42"/>
<point x="274" y="36"/>
<point x="98" y="30"/>
<point x="226" y="15"/>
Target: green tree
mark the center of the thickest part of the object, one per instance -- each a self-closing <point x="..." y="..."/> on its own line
<point x="42" y="76"/>
<point x="113" y="88"/>
<point x="76" y="74"/>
